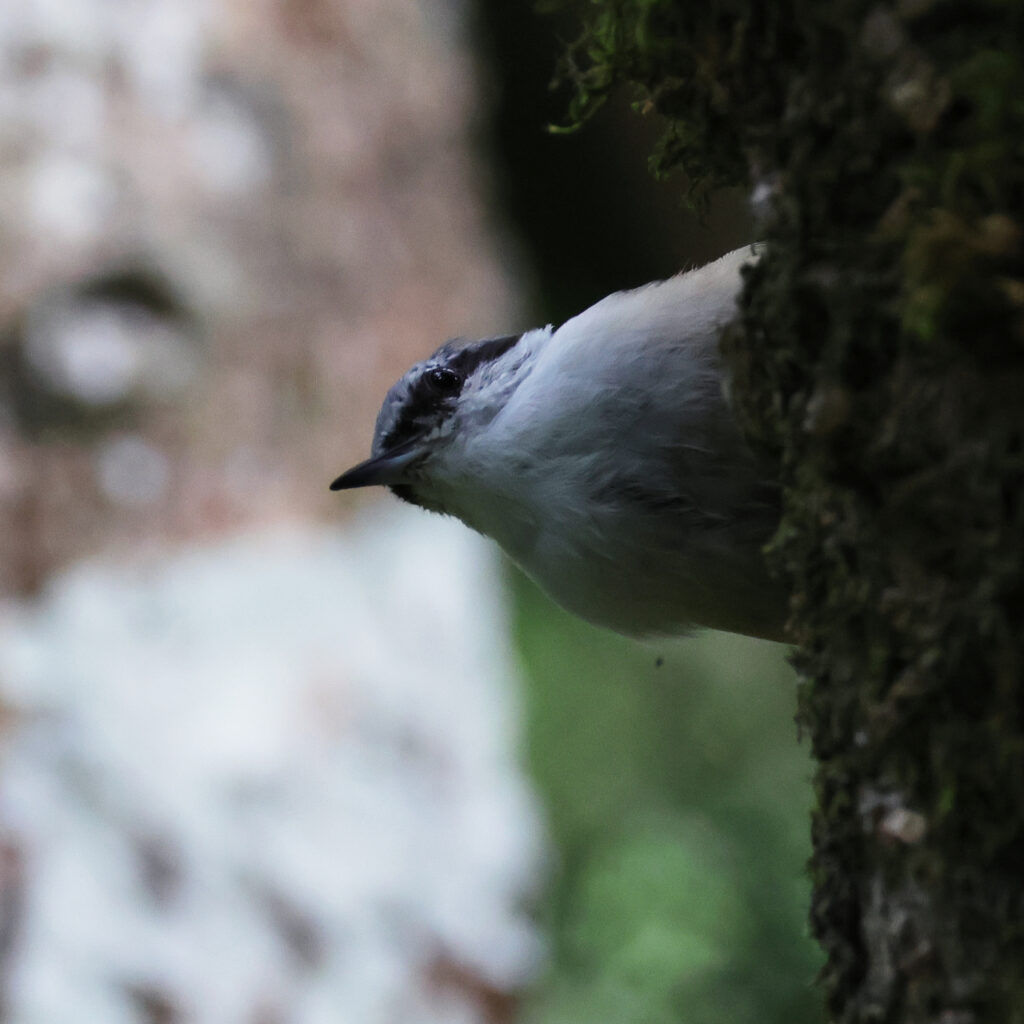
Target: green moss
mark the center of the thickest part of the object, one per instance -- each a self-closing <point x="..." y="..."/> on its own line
<point x="687" y="63"/>
<point x="879" y="360"/>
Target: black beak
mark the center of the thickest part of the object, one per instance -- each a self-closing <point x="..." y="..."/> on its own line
<point x="382" y="470"/>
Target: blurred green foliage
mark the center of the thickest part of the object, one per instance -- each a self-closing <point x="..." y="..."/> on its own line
<point x="678" y="801"/>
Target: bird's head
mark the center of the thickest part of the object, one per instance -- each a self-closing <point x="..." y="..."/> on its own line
<point x="428" y="411"/>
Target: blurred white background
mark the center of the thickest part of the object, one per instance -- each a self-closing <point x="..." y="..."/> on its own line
<point x="252" y="769"/>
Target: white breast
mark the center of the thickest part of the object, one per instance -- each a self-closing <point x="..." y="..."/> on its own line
<point x="614" y="474"/>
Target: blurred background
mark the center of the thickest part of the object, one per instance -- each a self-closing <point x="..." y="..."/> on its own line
<point x="274" y="756"/>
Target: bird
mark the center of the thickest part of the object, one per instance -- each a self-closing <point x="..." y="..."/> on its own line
<point x="603" y="458"/>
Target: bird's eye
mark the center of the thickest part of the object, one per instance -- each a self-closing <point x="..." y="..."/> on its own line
<point x="444" y="380"/>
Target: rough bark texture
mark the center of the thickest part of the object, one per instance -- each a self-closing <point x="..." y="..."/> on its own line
<point x="881" y="359"/>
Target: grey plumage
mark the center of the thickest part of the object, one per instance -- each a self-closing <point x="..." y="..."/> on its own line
<point x="602" y="456"/>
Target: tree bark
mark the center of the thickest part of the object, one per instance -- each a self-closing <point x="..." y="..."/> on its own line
<point x="880" y="359"/>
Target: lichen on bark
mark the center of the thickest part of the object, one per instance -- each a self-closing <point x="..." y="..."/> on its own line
<point x="880" y="360"/>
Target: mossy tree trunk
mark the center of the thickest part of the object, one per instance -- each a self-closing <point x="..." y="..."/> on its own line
<point x="881" y="360"/>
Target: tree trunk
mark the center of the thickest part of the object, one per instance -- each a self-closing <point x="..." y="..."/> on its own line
<point x="881" y="360"/>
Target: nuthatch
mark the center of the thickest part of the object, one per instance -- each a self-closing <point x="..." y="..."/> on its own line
<point x="602" y="456"/>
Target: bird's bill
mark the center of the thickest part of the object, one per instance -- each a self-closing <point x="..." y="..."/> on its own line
<point x="382" y="470"/>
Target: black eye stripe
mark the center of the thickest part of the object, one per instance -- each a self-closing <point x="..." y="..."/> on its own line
<point x="422" y="399"/>
<point x="423" y="405"/>
<point x="414" y="418"/>
<point x="467" y="358"/>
